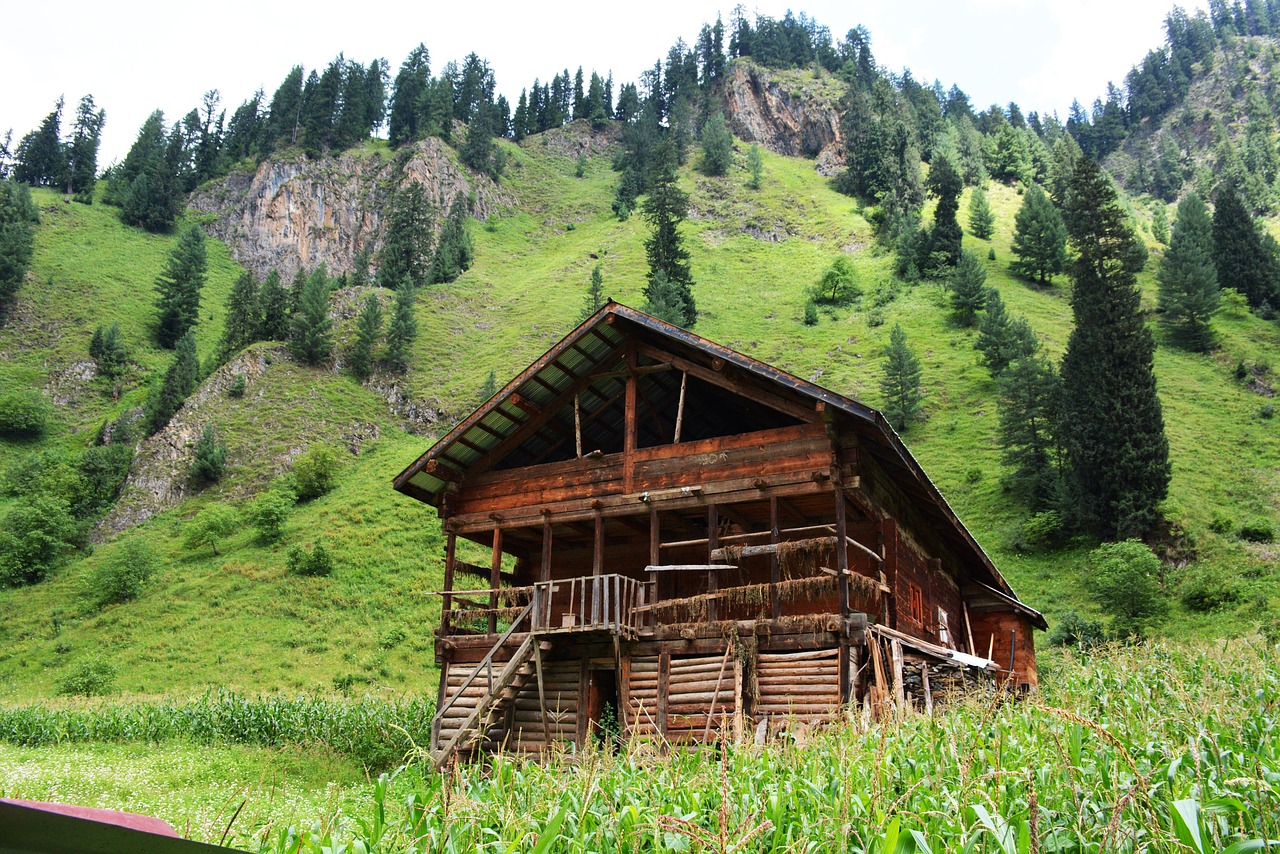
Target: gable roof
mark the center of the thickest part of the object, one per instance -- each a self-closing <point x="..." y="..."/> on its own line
<point x="504" y="428"/>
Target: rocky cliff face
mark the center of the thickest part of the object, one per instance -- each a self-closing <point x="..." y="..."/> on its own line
<point x="296" y="212"/>
<point x="786" y="114"/>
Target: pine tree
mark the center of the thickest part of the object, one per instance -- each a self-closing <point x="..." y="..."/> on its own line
<point x="360" y="266"/>
<point x="455" y="250"/>
<point x="664" y="208"/>
<point x="147" y="149"/>
<point x="1239" y="254"/>
<point x="755" y="166"/>
<point x="595" y="294"/>
<point x="1113" y="435"/>
<point x="968" y="289"/>
<point x="402" y="330"/>
<point x="243" y="322"/>
<point x="945" y="184"/>
<point x="17" y="241"/>
<point x="1189" y="293"/>
<point x="210" y="458"/>
<point x="981" y="220"/>
<point x="179" y="287"/>
<point x="41" y="159"/>
<point x="82" y="152"/>
<point x="1160" y="224"/>
<point x="1030" y="392"/>
<point x="717" y="146"/>
<point x="368" y="331"/>
<point x="179" y="381"/>
<point x="664" y="300"/>
<point x="311" y="330"/>
<point x="108" y="351"/>
<point x="901" y="382"/>
<point x="1039" y="238"/>
<point x="406" y="250"/>
<point x="1002" y="338"/>
<point x="275" y="303"/>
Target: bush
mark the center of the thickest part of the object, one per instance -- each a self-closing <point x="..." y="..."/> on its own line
<point x="23" y="415"/>
<point x="316" y="472"/>
<point x="237" y="387"/>
<point x="90" y="677"/>
<point x="1125" y="583"/>
<point x="1209" y="590"/>
<point x="1040" y="531"/>
<point x="122" y="576"/>
<point x="315" y="562"/>
<point x="214" y="523"/>
<point x="34" y="534"/>
<point x="1074" y="629"/>
<point x="1222" y="525"/>
<point x="1257" y="531"/>
<point x="810" y="314"/>
<point x="269" y="512"/>
<point x="211" y="457"/>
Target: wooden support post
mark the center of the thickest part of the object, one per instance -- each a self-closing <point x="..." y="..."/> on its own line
<point x="842" y="552"/>
<point x="895" y="654"/>
<point x="584" y="703"/>
<point x="713" y="542"/>
<point x="968" y="627"/>
<point x="655" y="548"/>
<point x="542" y="695"/>
<point x="495" y="578"/>
<point x="597" y="567"/>
<point x="630" y="419"/>
<point x="684" y="379"/>
<point x="924" y="682"/>
<point x="775" y="565"/>
<point x="890" y="545"/>
<point x="577" y="424"/>
<point x="664" y="688"/>
<point x="546" y="547"/>
<point x="450" y="559"/>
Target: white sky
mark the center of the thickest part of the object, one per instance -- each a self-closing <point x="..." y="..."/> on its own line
<point x="134" y="57"/>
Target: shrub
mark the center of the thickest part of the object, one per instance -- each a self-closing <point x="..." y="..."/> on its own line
<point x="838" y="284"/>
<point x="1266" y="412"/>
<point x="34" y="534"/>
<point x="316" y="471"/>
<point x="1125" y="583"/>
<point x="1208" y="590"/>
<point x="237" y="387"/>
<point x="104" y="469"/>
<point x="122" y="576"/>
<point x="810" y="314"/>
<point x="211" y="457"/>
<point x="89" y="677"/>
<point x="1222" y="525"/>
<point x="269" y="512"/>
<point x="1043" y="530"/>
<point x="214" y="523"/>
<point x="973" y="475"/>
<point x="23" y="415"/>
<point x="1074" y="629"/>
<point x="1257" y="531"/>
<point x="314" y="562"/>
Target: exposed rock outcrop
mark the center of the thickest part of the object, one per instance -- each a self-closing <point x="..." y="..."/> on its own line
<point x="796" y="120"/>
<point x="293" y="212"/>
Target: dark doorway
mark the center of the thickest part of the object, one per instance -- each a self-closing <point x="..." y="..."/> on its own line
<point x="602" y="705"/>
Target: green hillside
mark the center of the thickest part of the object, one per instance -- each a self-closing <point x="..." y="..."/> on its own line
<point x="238" y="619"/>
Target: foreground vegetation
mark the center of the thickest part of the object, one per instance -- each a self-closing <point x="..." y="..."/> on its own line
<point x="1146" y="748"/>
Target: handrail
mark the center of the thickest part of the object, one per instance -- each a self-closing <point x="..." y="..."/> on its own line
<point x="487" y="661"/>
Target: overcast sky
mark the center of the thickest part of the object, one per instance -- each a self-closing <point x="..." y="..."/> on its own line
<point x="134" y="57"/>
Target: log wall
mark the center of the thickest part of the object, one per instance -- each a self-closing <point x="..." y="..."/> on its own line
<point x="454" y="675"/>
<point x="702" y="689"/>
<point x="561" y="684"/>
<point x="799" y="687"/>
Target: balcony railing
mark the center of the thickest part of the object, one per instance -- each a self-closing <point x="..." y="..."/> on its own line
<point x="590" y="603"/>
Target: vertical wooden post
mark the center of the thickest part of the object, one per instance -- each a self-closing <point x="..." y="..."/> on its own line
<point x="713" y="543"/>
<point x="889" y="541"/>
<point x="546" y="547"/>
<point x="775" y="566"/>
<point x="577" y="424"/>
<point x="629" y="420"/>
<point x="664" y="688"/>
<point x="684" y="379"/>
<point x="842" y="551"/>
<point x="655" y="551"/>
<point x="597" y="567"/>
<point x="450" y="559"/>
<point x="495" y="578"/>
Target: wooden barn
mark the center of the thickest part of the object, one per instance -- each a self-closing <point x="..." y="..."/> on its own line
<point x="687" y="544"/>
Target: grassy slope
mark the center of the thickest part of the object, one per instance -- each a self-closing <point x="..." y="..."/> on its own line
<point x="370" y="620"/>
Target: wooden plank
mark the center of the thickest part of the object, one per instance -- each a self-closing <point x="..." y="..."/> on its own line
<point x="495" y="571"/>
<point x="775" y="565"/>
<point x="684" y="380"/>
<point x="664" y="674"/>
<point x="450" y="561"/>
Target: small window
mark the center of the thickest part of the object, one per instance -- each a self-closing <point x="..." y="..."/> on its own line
<point x="944" y="632"/>
<point x="917" y="602"/>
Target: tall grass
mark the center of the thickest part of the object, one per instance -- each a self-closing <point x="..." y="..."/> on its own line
<point x="378" y="733"/>
<point x="1133" y="749"/>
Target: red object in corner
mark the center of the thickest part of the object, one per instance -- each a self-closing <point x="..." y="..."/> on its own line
<point x="145" y="823"/>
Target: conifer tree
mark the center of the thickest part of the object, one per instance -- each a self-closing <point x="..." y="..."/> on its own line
<point x="1030" y="392"/>
<point x="595" y="294"/>
<point x="41" y="159"/>
<point x="406" y="250"/>
<point x="1039" y="238"/>
<point x="1002" y="337"/>
<point x="360" y="267"/>
<point x="210" y="458"/>
<point x="243" y="322"/>
<point x="108" y="350"/>
<point x="945" y="184"/>
<point x="296" y="287"/>
<point x="717" y="146"/>
<point x="755" y="167"/>
<point x="82" y="152"/>
<point x="981" y="220"/>
<point x="455" y="250"/>
<point x="664" y="300"/>
<point x="1160" y="224"/>
<point x="275" y="303"/>
<point x="664" y="208"/>
<point x="368" y="331"/>
<point x="1241" y="258"/>
<point x="179" y="381"/>
<point x="402" y="330"/>
<point x="146" y="151"/>
<point x="311" y="330"/>
<point x="900" y="384"/>
<point x="17" y="241"/>
<point x="178" y="288"/>
<point x="1117" y="454"/>
<point x="1188" y="279"/>
<point x="968" y="289"/>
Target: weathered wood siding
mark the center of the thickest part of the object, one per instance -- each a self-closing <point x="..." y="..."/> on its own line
<point x="799" y="686"/>
<point x="701" y="689"/>
<point x="455" y="674"/>
<point x="561" y="681"/>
